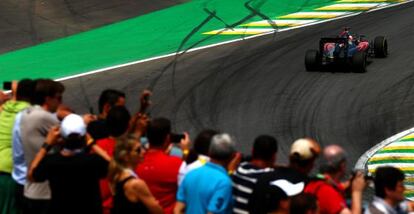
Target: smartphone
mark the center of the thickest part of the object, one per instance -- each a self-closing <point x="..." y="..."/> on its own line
<point x="176" y="138"/>
<point x="7" y="85"/>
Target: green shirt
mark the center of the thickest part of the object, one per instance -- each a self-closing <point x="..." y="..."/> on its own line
<point x="7" y="117"/>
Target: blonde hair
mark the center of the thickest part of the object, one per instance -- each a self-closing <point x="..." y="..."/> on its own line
<point x="124" y="145"/>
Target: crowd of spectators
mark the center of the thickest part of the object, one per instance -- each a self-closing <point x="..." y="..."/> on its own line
<point x="53" y="160"/>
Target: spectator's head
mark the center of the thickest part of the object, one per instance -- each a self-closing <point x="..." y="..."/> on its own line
<point x="389" y="184"/>
<point x="203" y="140"/>
<point x="276" y="200"/>
<point x="303" y="154"/>
<point x="222" y="148"/>
<point x="278" y="194"/>
<point x="272" y="193"/>
<point x="48" y="94"/>
<point x="73" y="131"/>
<point x="333" y="160"/>
<point x="158" y="133"/>
<point x="117" y="121"/>
<point x="25" y="90"/>
<point x="304" y="203"/>
<point x="201" y="145"/>
<point x="265" y="149"/>
<point x="110" y="98"/>
<point x="128" y="152"/>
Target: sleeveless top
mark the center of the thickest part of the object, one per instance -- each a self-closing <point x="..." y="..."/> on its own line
<point x="121" y="203"/>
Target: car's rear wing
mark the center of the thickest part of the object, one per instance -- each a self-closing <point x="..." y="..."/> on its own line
<point x="325" y="40"/>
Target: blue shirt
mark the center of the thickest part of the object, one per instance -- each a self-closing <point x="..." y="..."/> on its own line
<point x="19" y="164"/>
<point x="206" y="189"/>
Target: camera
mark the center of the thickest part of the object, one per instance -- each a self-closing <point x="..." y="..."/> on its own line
<point x="176" y="138"/>
<point x="7" y="85"/>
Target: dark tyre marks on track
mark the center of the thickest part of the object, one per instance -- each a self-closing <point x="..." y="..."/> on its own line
<point x="261" y="86"/>
<point x="24" y="23"/>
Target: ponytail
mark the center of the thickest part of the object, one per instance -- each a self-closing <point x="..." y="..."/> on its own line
<point x="123" y="147"/>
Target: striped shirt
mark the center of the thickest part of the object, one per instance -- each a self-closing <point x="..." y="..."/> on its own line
<point x="244" y="180"/>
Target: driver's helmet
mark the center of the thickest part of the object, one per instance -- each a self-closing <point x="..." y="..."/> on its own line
<point x="345" y="33"/>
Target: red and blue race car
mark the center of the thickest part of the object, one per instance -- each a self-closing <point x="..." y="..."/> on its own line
<point x="345" y="49"/>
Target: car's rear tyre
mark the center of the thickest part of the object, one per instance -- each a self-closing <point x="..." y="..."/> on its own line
<point x="359" y="62"/>
<point x="313" y="60"/>
<point x="380" y="47"/>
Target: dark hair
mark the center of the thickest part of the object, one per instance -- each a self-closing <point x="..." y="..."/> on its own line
<point x="203" y="140"/>
<point x="265" y="197"/>
<point x="296" y="159"/>
<point x="302" y="203"/>
<point x="109" y="96"/>
<point x="46" y="88"/>
<point x="272" y="198"/>
<point x="25" y="90"/>
<point x="264" y="147"/>
<point x="387" y="177"/>
<point x="117" y="120"/>
<point x="158" y="130"/>
<point x="74" y="141"/>
<point x="201" y="145"/>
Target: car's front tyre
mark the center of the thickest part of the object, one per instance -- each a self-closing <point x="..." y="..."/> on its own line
<point x="380" y="47"/>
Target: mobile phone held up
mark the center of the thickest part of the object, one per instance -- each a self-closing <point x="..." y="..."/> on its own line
<point x="176" y="138"/>
<point x="7" y="85"/>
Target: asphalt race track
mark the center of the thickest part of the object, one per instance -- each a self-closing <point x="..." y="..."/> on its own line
<point x="260" y="86"/>
<point x="25" y="23"/>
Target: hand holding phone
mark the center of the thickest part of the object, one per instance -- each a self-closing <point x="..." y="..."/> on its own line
<point x="145" y="101"/>
<point x="182" y="141"/>
<point x="176" y="138"/>
<point x="7" y="85"/>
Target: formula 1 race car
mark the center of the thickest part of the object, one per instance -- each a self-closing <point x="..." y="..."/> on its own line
<point x="345" y="49"/>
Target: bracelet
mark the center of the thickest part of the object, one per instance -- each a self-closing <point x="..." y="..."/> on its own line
<point x="186" y="151"/>
<point x="47" y="146"/>
<point x="90" y="142"/>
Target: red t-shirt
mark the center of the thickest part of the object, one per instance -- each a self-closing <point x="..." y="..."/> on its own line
<point x="330" y="199"/>
<point x="160" y="173"/>
<point x="107" y="144"/>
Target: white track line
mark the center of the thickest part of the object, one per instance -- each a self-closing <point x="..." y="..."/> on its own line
<point x="279" y="23"/>
<point x="363" y="160"/>
<point x="314" y="14"/>
<point x="219" y="44"/>
<point x="239" y="31"/>
<point x="363" y="1"/>
<point x="345" y="6"/>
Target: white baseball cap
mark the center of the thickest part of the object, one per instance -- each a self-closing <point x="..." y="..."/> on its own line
<point x="72" y="124"/>
<point x="306" y="148"/>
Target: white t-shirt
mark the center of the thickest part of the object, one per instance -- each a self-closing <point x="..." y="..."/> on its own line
<point x="186" y="168"/>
